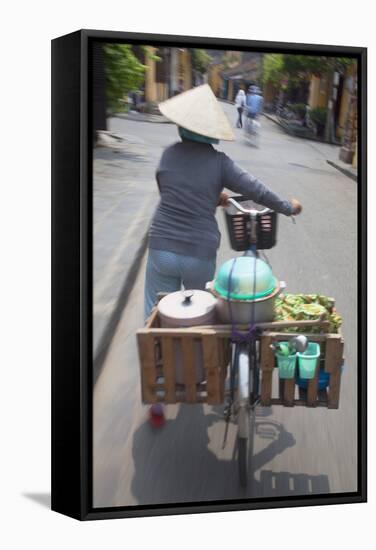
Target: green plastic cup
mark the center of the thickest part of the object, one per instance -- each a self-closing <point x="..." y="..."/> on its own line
<point x="286" y="363"/>
<point x="307" y="360"/>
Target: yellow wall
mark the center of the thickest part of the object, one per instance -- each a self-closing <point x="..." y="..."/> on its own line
<point x="345" y="102"/>
<point x="150" y="84"/>
<point x="318" y="92"/>
<point x="344" y="108"/>
<point x="158" y="91"/>
<point x="162" y="91"/>
<point x="214" y="78"/>
<point x="269" y="92"/>
<point x="318" y="97"/>
<point x="185" y="69"/>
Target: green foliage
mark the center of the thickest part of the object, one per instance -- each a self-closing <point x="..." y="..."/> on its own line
<point x="318" y="115"/>
<point x="342" y="63"/>
<point x="299" y="68"/>
<point x="303" y="66"/>
<point x="273" y="68"/>
<point x="124" y="73"/>
<point x="200" y="60"/>
<point x="299" y="109"/>
<point x="338" y="64"/>
<point x="150" y="54"/>
<point x="230" y="59"/>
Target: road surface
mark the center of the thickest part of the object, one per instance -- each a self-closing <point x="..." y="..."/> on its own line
<point x="296" y="451"/>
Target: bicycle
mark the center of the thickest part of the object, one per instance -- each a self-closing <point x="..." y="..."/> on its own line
<point x="248" y="368"/>
<point x="244" y="393"/>
<point x="244" y="366"/>
<point x="252" y="130"/>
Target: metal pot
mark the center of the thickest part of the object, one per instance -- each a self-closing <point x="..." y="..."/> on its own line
<point x="186" y="309"/>
<point x="240" y="311"/>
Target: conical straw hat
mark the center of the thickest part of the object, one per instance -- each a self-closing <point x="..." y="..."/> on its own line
<point x="198" y="110"/>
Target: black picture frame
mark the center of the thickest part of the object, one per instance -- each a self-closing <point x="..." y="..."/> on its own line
<point x="72" y="365"/>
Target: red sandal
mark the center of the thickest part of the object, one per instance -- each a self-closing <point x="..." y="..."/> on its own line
<point x="156" y="415"/>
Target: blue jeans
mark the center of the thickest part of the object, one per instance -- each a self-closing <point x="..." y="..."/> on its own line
<point x="168" y="272"/>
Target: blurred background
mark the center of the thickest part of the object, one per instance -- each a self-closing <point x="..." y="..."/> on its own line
<point x="136" y="78"/>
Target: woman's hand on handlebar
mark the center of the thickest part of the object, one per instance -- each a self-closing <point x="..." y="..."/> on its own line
<point x="223" y="199"/>
<point x="297" y="207"/>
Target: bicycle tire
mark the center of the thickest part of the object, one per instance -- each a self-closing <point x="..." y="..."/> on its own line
<point x="254" y="375"/>
<point x="243" y="460"/>
<point x="245" y="445"/>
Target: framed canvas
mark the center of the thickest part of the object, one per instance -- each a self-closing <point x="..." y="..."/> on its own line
<point x="187" y="377"/>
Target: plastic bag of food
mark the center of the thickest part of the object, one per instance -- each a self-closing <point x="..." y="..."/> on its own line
<point x="306" y="307"/>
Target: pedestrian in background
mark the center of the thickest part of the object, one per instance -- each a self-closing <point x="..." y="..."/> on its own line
<point x="240" y="104"/>
<point x="254" y="102"/>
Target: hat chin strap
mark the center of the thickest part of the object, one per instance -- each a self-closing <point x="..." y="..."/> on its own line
<point x="192" y="136"/>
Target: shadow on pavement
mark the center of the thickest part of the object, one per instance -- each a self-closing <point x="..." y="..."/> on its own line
<point x="286" y="484"/>
<point x="279" y="484"/>
<point x="174" y="464"/>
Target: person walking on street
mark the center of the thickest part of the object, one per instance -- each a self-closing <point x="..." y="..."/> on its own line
<point x="240" y="104"/>
<point x="254" y="102"/>
<point x="191" y="176"/>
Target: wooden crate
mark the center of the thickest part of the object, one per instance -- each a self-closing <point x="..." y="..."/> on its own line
<point x="331" y="359"/>
<point x="158" y="378"/>
<point x="156" y="348"/>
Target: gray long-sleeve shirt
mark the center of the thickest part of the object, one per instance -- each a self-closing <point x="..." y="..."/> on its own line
<point x="190" y="177"/>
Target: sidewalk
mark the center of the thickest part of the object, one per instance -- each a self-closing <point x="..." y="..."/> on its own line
<point x="297" y="131"/>
<point x="124" y="195"/>
<point x="273" y="118"/>
<point x="345" y="168"/>
<point x="332" y="152"/>
<point x="143" y="117"/>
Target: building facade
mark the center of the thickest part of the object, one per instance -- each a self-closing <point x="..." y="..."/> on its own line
<point x="169" y="74"/>
<point x="338" y="92"/>
<point x="231" y="71"/>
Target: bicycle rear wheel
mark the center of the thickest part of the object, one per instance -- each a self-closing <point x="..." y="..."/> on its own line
<point x="243" y="460"/>
<point x="247" y="395"/>
<point x="243" y="388"/>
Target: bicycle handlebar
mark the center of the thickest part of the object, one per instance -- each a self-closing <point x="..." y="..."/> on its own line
<point x="252" y="212"/>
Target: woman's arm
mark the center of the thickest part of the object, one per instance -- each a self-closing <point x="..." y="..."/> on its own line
<point x="240" y="181"/>
<point x="223" y="199"/>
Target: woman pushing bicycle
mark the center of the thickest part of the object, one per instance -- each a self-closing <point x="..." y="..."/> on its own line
<point x="191" y="176"/>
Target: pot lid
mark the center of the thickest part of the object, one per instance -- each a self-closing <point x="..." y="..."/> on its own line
<point x="186" y="304"/>
<point x="245" y="278"/>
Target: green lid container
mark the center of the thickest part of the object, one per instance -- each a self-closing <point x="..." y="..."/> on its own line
<point x="238" y="274"/>
<point x="286" y="363"/>
<point x="308" y="360"/>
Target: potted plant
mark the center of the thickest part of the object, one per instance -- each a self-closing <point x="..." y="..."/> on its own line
<point x="318" y="117"/>
<point x="299" y="110"/>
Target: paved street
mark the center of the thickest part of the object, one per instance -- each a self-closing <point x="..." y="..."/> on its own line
<point x="125" y="195"/>
<point x="296" y="451"/>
